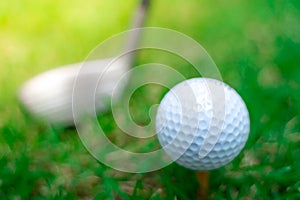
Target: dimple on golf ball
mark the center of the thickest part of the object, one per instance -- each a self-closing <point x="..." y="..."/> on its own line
<point x="202" y="124"/>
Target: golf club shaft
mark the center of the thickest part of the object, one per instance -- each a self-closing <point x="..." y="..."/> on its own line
<point x="134" y="35"/>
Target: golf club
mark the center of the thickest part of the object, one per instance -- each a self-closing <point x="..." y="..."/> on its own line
<point x="49" y="95"/>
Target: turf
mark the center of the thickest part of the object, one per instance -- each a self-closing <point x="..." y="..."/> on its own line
<point x="256" y="45"/>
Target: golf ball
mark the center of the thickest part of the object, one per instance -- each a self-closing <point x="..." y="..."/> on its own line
<point x="202" y="124"/>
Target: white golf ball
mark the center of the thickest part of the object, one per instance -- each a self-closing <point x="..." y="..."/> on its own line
<point x="202" y="124"/>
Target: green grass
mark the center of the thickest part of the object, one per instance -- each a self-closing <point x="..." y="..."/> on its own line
<point x="256" y="45"/>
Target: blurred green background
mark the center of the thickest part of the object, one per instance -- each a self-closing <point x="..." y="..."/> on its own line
<point x="256" y="45"/>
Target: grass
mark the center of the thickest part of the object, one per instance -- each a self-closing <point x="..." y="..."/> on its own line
<point x="256" y="45"/>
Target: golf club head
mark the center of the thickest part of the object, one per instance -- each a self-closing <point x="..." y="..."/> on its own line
<point x="49" y="95"/>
